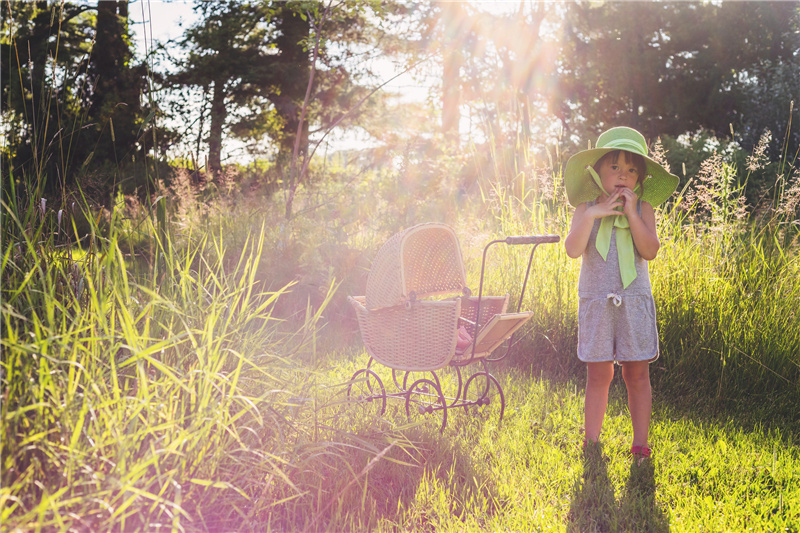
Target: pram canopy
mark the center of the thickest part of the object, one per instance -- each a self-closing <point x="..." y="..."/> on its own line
<point x="424" y="260"/>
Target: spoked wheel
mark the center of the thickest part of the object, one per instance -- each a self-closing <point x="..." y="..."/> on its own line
<point x="424" y="398"/>
<point x="481" y="390"/>
<point x="412" y="376"/>
<point x="450" y="392"/>
<point x="367" y="389"/>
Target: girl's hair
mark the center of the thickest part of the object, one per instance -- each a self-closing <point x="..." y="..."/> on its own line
<point x="636" y="159"/>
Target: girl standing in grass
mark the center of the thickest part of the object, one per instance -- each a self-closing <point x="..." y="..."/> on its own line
<point x="614" y="188"/>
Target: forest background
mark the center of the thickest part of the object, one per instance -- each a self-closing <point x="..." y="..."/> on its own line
<point x="179" y="235"/>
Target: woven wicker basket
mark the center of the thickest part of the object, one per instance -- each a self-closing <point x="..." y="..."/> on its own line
<point x="421" y="336"/>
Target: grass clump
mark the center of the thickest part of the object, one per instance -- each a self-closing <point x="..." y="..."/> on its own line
<point x="140" y="402"/>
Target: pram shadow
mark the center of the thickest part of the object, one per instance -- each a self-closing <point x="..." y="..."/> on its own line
<point x="594" y="506"/>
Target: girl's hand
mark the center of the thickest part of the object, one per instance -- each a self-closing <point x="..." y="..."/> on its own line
<point x="607" y="207"/>
<point x="629" y="201"/>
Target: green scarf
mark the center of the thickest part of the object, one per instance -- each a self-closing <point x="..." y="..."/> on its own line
<point x="627" y="266"/>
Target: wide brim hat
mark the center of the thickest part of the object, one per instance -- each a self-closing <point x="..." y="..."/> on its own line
<point x="659" y="184"/>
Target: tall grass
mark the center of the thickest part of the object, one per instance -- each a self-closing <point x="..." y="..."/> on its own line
<point x="137" y="401"/>
<point x="727" y="286"/>
<point x="727" y="302"/>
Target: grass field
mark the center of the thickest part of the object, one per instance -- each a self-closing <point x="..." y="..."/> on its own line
<point x="529" y="473"/>
<point x="189" y="374"/>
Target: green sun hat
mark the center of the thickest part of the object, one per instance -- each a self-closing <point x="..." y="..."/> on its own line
<point x="659" y="184"/>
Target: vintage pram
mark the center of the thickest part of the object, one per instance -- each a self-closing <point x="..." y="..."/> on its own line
<point x="415" y="302"/>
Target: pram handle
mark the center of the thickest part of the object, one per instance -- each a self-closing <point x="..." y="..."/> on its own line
<point x="536" y="240"/>
<point x="532" y="239"/>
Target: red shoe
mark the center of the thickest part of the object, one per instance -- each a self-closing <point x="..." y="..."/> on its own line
<point x="641" y="452"/>
<point x="589" y="445"/>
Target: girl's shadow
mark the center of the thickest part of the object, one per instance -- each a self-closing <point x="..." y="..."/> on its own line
<point x="638" y="510"/>
<point x="594" y="506"/>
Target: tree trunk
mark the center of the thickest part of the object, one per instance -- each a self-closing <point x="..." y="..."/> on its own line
<point x="38" y="49"/>
<point x="116" y="85"/>
<point x="294" y="66"/>
<point x="453" y="17"/>
<point x="200" y="127"/>
<point x="110" y="53"/>
<point x="218" y="115"/>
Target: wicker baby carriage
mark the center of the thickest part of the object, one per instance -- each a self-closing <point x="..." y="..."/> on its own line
<point x="418" y="316"/>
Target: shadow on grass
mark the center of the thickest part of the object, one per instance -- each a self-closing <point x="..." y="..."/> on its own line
<point x="638" y="510"/>
<point x="400" y="488"/>
<point x="594" y="506"/>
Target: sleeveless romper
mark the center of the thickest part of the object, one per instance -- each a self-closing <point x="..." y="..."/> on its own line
<point x="614" y="324"/>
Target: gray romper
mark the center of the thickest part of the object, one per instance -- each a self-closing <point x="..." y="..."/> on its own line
<point x="614" y="324"/>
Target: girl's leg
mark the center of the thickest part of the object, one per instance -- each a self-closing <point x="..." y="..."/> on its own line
<point x="598" y="380"/>
<point x="640" y="401"/>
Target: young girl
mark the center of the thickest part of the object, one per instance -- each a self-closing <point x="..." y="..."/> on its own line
<point x="614" y="188"/>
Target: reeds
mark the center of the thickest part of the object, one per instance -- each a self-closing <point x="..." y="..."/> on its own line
<point x="126" y="397"/>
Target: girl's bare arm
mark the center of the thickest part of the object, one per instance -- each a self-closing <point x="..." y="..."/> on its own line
<point x="643" y="231"/>
<point x="583" y="220"/>
<point x="579" y="231"/>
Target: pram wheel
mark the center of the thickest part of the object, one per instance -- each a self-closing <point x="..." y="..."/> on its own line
<point x="481" y="390"/>
<point x="411" y="377"/>
<point x="396" y="379"/>
<point x="367" y="389"/>
<point x="424" y="398"/>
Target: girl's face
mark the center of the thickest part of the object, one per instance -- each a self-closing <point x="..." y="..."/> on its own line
<point x="618" y="174"/>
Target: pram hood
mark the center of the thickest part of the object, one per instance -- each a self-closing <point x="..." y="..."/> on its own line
<point x="423" y="260"/>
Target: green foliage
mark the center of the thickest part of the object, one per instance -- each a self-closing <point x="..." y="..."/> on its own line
<point x="726" y="308"/>
<point x="184" y="363"/>
<point x="64" y="103"/>
<point x="181" y="359"/>
<point x="754" y="179"/>
<point x="254" y="63"/>
<point x="676" y="68"/>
